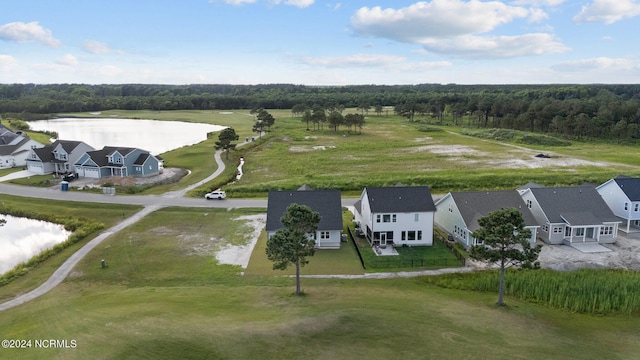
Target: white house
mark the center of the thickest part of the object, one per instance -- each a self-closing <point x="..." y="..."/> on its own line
<point x="458" y="213"/>
<point x="571" y="215"/>
<point x="622" y="195"/>
<point x="326" y="202"/>
<point x="58" y="157"/>
<point x="397" y="216"/>
<point x="15" y="148"/>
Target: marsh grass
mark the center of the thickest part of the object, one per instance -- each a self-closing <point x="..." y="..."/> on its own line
<point x="583" y="291"/>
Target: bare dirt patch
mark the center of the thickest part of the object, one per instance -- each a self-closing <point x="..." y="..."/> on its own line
<point x="240" y="255"/>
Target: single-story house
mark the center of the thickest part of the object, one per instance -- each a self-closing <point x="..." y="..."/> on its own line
<point x="58" y="157"/>
<point x="458" y="213"/>
<point x="571" y="214"/>
<point x="397" y="216"/>
<point x="327" y="203"/>
<point x="118" y="161"/>
<point x="15" y="148"/>
<point x="622" y="195"/>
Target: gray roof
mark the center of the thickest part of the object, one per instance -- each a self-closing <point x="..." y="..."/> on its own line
<point x="400" y="199"/>
<point x="577" y="205"/>
<point x="326" y="202"/>
<point x="630" y="186"/>
<point x="474" y="205"/>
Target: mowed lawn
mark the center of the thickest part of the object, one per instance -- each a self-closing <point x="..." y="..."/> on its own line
<point x="163" y="295"/>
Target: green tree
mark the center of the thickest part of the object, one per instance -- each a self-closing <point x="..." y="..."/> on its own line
<point x="505" y="242"/>
<point x="335" y="119"/>
<point x="266" y="118"/>
<point x="225" y="140"/>
<point x="293" y="243"/>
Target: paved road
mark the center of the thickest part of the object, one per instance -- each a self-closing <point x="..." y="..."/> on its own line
<point x="151" y="203"/>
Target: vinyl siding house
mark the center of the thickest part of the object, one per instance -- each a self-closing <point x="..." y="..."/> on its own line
<point x="326" y="202"/>
<point x="396" y="216"/>
<point x="622" y="195"/>
<point x="571" y="215"/>
<point x="15" y="148"/>
<point x="58" y="157"/>
<point x="458" y="213"/>
<point x="118" y="161"/>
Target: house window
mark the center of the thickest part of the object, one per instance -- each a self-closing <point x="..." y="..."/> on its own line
<point x="545" y="228"/>
<point x="403" y="236"/>
<point x="416" y="217"/>
<point x="389" y="235"/>
<point x="579" y="232"/>
<point x="324" y="235"/>
<point x="606" y="230"/>
<point x="567" y="231"/>
<point x="626" y="206"/>
<point x="378" y="217"/>
<point x="529" y="204"/>
<point x="393" y="218"/>
<point x="419" y="234"/>
<point x="386" y="218"/>
<point x="557" y="229"/>
<point x="635" y="207"/>
<point x="411" y="235"/>
<point x="450" y="208"/>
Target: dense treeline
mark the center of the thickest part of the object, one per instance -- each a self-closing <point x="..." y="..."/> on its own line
<point x="572" y="111"/>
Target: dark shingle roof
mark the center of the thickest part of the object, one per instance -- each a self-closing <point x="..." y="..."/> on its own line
<point x="630" y="186"/>
<point x="579" y="203"/>
<point x="326" y="202"/>
<point x="399" y="199"/>
<point x="475" y="205"/>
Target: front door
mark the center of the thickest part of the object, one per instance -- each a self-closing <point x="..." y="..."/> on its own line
<point x="383" y="238"/>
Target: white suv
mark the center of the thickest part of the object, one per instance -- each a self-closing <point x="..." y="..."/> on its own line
<point x="217" y="194"/>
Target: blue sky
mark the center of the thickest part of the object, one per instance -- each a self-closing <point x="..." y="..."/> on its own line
<point x="316" y="42"/>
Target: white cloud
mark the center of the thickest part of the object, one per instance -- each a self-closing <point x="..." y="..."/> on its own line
<point x="235" y="2"/>
<point x="8" y="63"/>
<point x="357" y="60"/>
<point x="297" y="3"/>
<point x="539" y="3"/>
<point x="487" y="47"/>
<point x="608" y="11"/>
<point x="28" y="32"/>
<point x="67" y="60"/>
<point x="438" y="18"/>
<point x="599" y="63"/>
<point x="453" y="27"/>
<point x="96" y="47"/>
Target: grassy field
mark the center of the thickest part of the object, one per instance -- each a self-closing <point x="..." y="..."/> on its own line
<point x="164" y="295"/>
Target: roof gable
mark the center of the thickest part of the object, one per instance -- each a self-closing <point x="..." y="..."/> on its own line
<point x="563" y="201"/>
<point x="326" y="202"/>
<point x="399" y="199"/>
<point x="630" y="186"/>
<point x="475" y="205"/>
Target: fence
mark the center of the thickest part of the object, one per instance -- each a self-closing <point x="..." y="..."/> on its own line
<point x="353" y="241"/>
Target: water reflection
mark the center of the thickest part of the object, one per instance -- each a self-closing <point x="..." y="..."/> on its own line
<point x="22" y="239"/>
<point x="154" y="136"/>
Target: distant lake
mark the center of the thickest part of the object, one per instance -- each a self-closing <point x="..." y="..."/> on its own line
<point x="22" y="238"/>
<point x="154" y="136"/>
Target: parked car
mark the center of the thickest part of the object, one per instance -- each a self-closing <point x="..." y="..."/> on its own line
<point x="217" y="194"/>
<point x="69" y="177"/>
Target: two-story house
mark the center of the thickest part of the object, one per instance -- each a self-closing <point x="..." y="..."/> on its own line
<point x="622" y="195"/>
<point x="118" y="161"/>
<point x="15" y="148"/>
<point x="397" y="216"/>
<point x="58" y="157"/>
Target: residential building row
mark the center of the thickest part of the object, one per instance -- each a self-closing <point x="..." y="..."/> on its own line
<point x="406" y="215"/>
<point x="77" y="157"/>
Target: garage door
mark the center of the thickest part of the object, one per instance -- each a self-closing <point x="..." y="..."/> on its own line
<point x="92" y="173"/>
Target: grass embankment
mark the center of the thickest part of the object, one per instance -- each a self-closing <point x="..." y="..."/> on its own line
<point x="85" y="219"/>
<point x="163" y="295"/>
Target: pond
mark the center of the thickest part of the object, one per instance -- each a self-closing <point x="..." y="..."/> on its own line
<point x="22" y="239"/>
<point x="152" y="135"/>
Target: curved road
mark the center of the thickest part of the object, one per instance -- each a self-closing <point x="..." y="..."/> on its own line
<point x="151" y="203"/>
